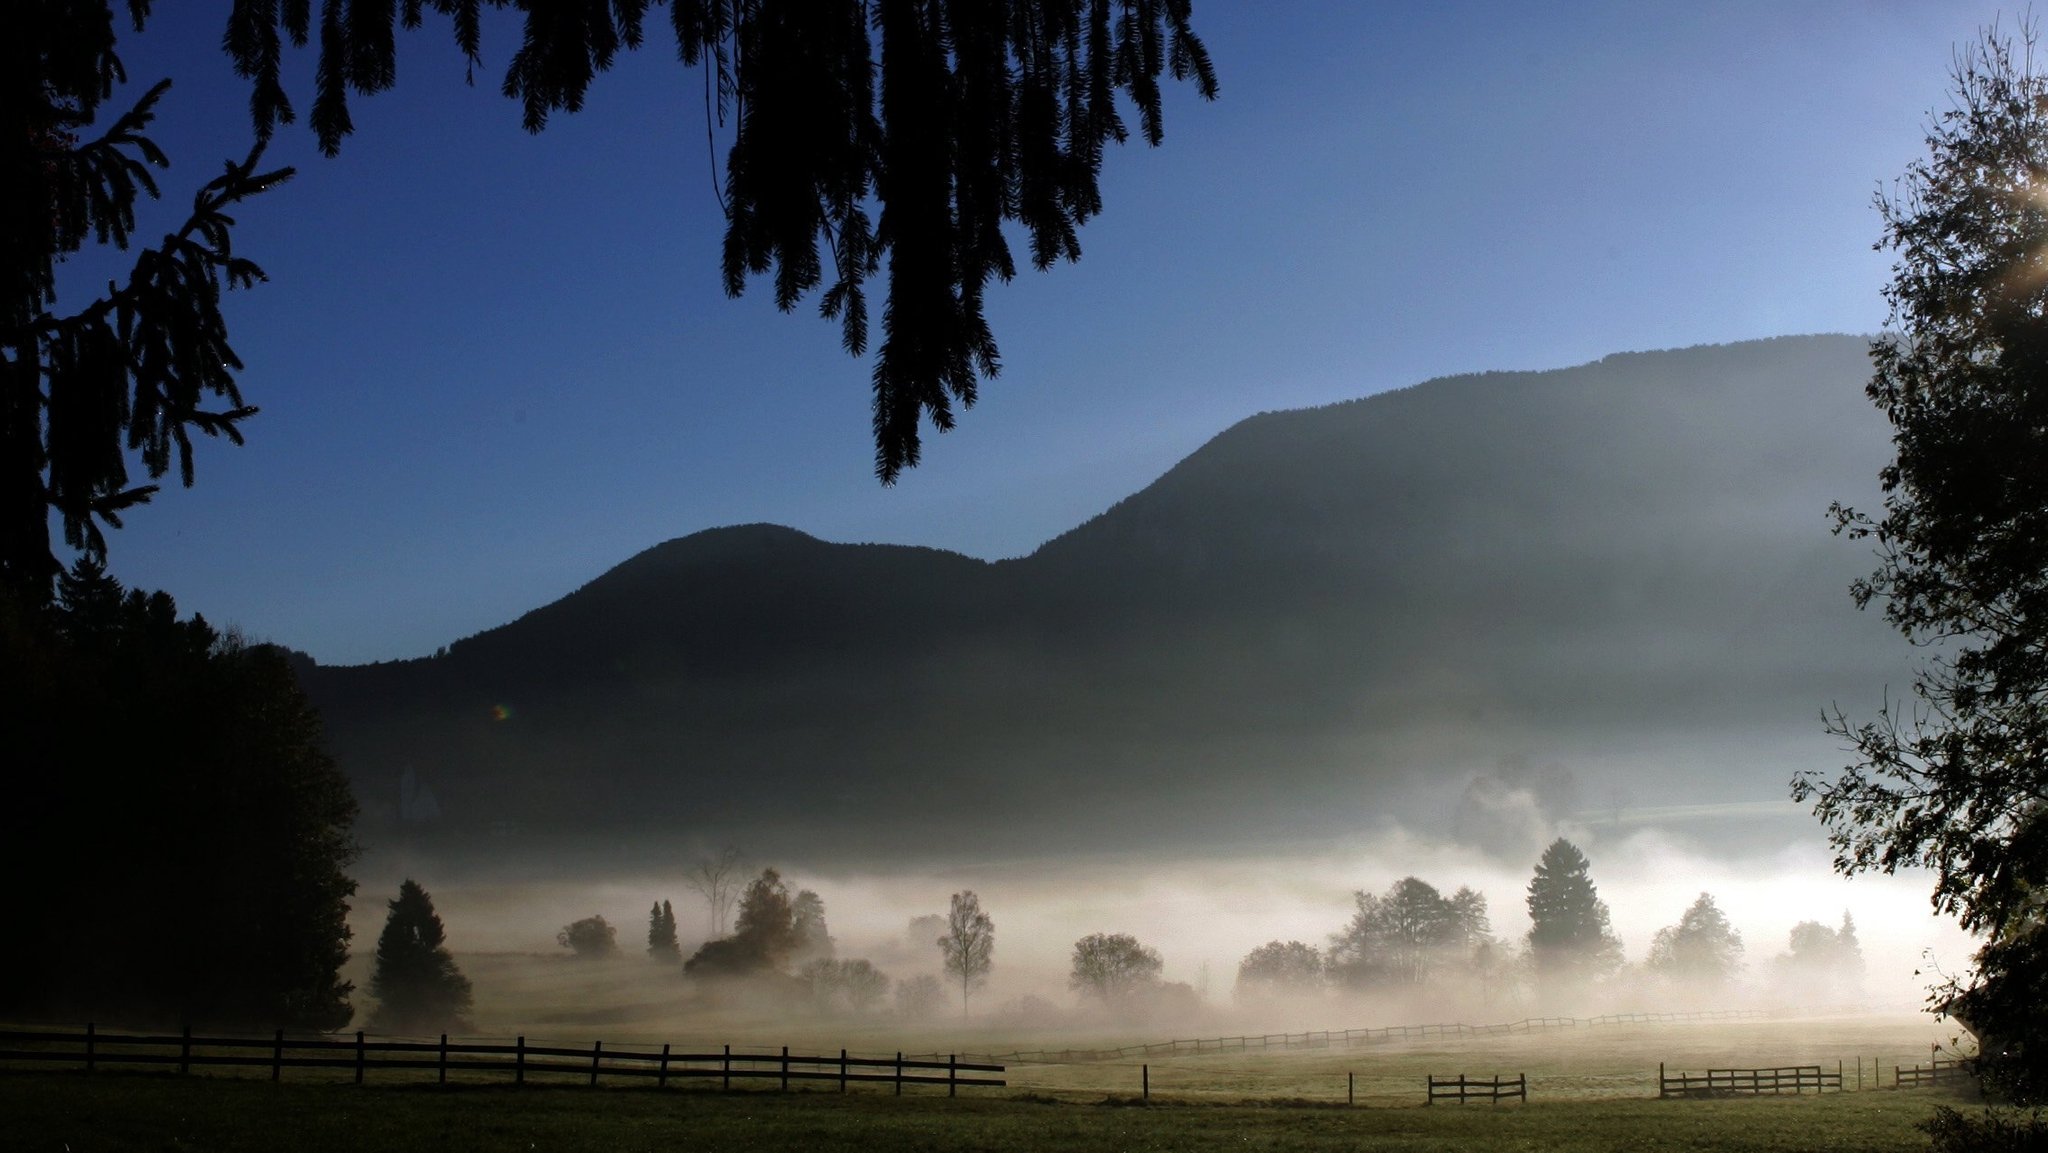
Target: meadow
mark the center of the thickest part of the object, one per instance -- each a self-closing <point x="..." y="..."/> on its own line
<point x="1590" y="1089"/>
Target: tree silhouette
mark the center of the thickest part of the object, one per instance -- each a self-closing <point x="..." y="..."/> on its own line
<point x="1112" y="966"/>
<point x="661" y="934"/>
<point x="1570" y="938"/>
<point x="1285" y="967"/>
<point x="418" y="987"/>
<point x="968" y="945"/>
<point x="592" y="938"/>
<point x="191" y="764"/>
<point x="1954" y="780"/>
<point x="895" y="139"/>
<point x="1404" y="937"/>
<point x="1702" y="947"/>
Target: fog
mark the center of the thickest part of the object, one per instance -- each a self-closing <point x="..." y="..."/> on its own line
<point x="1203" y="914"/>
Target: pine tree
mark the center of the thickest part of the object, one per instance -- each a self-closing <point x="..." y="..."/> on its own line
<point x="1570" y="939"/>
<point x="418" y="987"/>
<point x="661" y="934"/>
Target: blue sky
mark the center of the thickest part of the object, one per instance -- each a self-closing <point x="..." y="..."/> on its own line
<point x="493" y="365"/>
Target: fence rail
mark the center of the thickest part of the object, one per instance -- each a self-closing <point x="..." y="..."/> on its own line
<point x="1350" y="1038"/>
<point x="1795" y="1079"/>
<point x="93" y="1049"/>
<point x="1939" y="1073"/>
<point x="1462" y="1088"/>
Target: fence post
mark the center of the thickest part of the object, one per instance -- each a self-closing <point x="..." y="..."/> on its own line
<point x="899" y="1072"/>
<point x="185" y="1051"/>
<point x="1660" y="1079"/>
<point x="519" y="1062"/>
<point x="277" y="1055"/>
<point x="661" y="1078"/>
<point x="441" y="1070"/>
<point x="953" y="1075"/>
<point x="1351" y="1088"/>
<point x="1145" y="1085"/>
<point x="90" y="1056"/>
<point x="596" y="1053"/>
<point x="359" y="1056"/>
<point x="842" y="1070"/>
<point x="785" y="1068"/>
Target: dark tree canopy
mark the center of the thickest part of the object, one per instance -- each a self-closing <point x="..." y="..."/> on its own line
<point x="1570" y="938"/>
<point x="1953" y="780"/>
<point x="191" y="765"/>
<point x="864" y="131"/>
<point x="419" y="988"/>
<point x="661" y="934"/>
<point x="145" y="365"/>
<point x="764" y="936"/>
<point x="879" y="138"/>
<point x="592" y="938"/>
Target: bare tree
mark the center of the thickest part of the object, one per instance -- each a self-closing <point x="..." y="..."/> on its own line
<point x="969" y="942"/>
<point x="716" y="878"/>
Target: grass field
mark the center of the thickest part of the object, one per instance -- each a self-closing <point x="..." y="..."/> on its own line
<point x="1590" y="1089"/>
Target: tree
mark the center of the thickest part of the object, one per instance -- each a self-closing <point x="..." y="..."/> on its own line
<point x="948" y="122"/>
<point x="1112" y="967"/>
<point x="1570" y="939"/>
<point x="864" y="984"/>
<point x="1278" y="967"/>
<point x="133" y="371"/>
<point x="1702" y="948"/>
<point x="808" y="934"/>
<point x="1818" y="956"/>
<point x="918" y="997"/>
<point x="1953" y="780"/>
<point x="764" y="936"/>
<point x="191" y="763"/>
<point x="968" y="945"/>
<point x="661" y="934"/>
<point x="716" y="879"/>
<point x="418" y="987"/>
<point x="592" y="938"/>
<point x="1403" y="938"/>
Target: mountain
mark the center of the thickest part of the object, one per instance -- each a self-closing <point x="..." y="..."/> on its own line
<point x="1321" y="620"/>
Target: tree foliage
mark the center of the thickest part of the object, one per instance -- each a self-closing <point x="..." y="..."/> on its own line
<point x="905" y="133"/>
<point x="1953" y="779"/>
<point x="1408" y="936"/>
<point x="1570" y="938"/>
<point x="145" y="365"/>
<point x="1823" y="957"/>
<point x="1280" y="967"/>
<point x="764" y="937"/>
<point x="190" y="766"/>
<point x="1702" y="948"/>
<point x="592" y="938"/>
<point x="1113" y="967"/>
<point x="968" y="945"/>
<point x="898" y="139"/>
<point x="661" y="934"/>
<point x="419" y="988"/>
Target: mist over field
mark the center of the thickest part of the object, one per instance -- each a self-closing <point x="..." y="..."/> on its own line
<point x="1424" y="634"/>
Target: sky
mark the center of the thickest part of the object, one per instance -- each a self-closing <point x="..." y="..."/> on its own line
<point x="493" y="365"/>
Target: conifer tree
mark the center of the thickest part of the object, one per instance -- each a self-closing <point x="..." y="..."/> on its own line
<point x="418" y="987"/>
<point x="1570" y="938"/>
<point x="661" y="934"/>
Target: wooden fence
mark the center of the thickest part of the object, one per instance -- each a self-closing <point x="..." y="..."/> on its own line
<point x="93" y="1050"/>
<point x="1926" y="1076"/>
<point x="1350" y="1038"/>
<point x="1462" y="1088"/>
<point x="1793" y="1079"/>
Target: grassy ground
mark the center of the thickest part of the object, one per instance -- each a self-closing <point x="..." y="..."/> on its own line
<point x="1590" y="1089"/>
<point x="118" y="1113"/>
